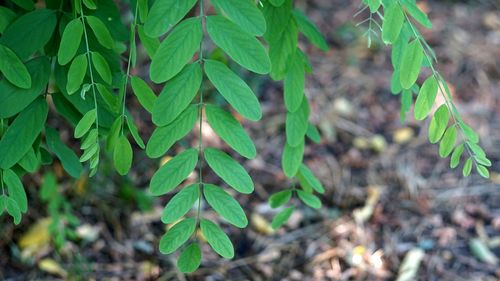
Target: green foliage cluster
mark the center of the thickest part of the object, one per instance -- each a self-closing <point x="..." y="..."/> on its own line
<point x="69" y="54"/>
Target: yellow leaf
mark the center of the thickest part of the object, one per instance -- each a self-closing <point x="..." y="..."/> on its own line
<point x="36" y="238"/>
<point x="260" y="224"/>
<point x="52" y="267"/>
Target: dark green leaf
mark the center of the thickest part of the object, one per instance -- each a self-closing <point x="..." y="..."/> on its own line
<point x="173" y="172"/>
<point x="16" y="189"/>
<point x="225" y="205"/>
<point x="70" y="41"/>
<point x="13" y="68"/>
<point x="229" y="170"/>
<point x="217" y="239"/>
<point x="233" y="89"/>
<point x="76" y="73"/>
<point x="244" y="13"/>
<point x="13" y="210"/>
<point x="238" y="44"/>
<point x="122" y="155"/>
<point x="166" y="13"/>
<point x="101" y="32"/>
<point x="310" y="30"/>
<point x="68" y="158"/>
<point x="177" y="50"/>
<point x="282" y="217"/>
<point x="102" y="67"/>
<point x="143" y="93"/>
<point x="308" y="176"/>
<point x="280" y="198"/>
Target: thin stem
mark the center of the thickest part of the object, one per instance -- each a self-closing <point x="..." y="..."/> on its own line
<point x="1" y="179"/>
<point x="132" y="41"/>
<point x="90" y="70"/>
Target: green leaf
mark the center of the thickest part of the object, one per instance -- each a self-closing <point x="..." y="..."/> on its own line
<point x="313" y="133"/>
<point x="70" y="41"/>
<point x="469" y="133"/>
<point x="309" y="199"/>
<point x="30" y="32"/>
<point x="164" y="137"/>
<point x="310" y="30"/>
<point x="6" y="17"/>
<point x="143" y="93"/>
<point x="229" y="170"/>
<point x="297" y="123"/>
<point x="14" y="99"/>
<point x="455" y="156"/>
<point x="16" y="189"/>
<point x="111" y="100"/>
<point x="483" y="171"/>
<point x="22" y="132"/>
<point x="181" y="203"/>
<point x="149" y="43"/>
<point x="448" y="142"/>
<point x="176" y="50"/>
<point x="277" y="3"/>
<point x="233" y="89"/>
<point x="294" y="83"/>
<point x="244" y="13"/>
<point x="190" y="259"/>
<point x="225" y="205"/>
<point x="76" y="73"/>
<point x="13" y="68"/>
<point x="85" y="123"/>
<point x="393" y="23"/>
<point x="30" y="161"/>
<point x="426" y="98"/>
<point x="101" y="32"/>
<point x="467" y="167"/>
<point x="177" y="95"/>
<point x="292" y="159"/>
<point x="217" y="239"/>
<point x="417" y="14"/>
<point x="374" y="5"/>
<point x="280" y="198"/>
<point x="90" y="4"/>
<point x="410" y="64"/>
<point x="164" y="14"/>
<point x="13" y="210"/>
<point x="238" y="44"/>
<point x="439" y="123"/>
<point x="134" y="132"/>
<point x="173" y="172"/>
<point x="282" y="217"/>
<point x="231" y="131"/>
<point x="177" y="235"/>
<point x="68" y="158"/>
<point x="307" y="175"/>
<point x="102" y="67"/>
<point x="122" y="155"/>
<point x="25" y="4"/>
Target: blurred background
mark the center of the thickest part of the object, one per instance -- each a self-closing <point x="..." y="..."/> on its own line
<point x="393" y="210"/>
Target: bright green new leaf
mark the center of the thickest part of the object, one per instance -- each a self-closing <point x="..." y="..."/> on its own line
<point x="22" y="132"/>
<point x="411" y="62"/>
<point x="483" y="171"/>
<point x="143" y="92"/>
<point x="439" y="123"/>
<point x="417" y="14"/>
<point x="176" y="50"/>
<point x="101" y="32"/>
<point x="448" y="142"/>
<point x="13" y="210"/>
<point x="313" y="133"/>
<point x="217" y="239"/>
<point x="68" y="158"/>
<point x="102" y="67"/>
<point x="122" y="155"/>
<point x="297" y="123"/>
<point x="70" y="41"/>
<point x="292" y="159"/>
<point x="310" y="30"/>
<point x="190" y="258"/>
<point x="164" y="14"/>
<point x="233" y="89"/>
<point x="177" y="94"/>
<point x="85" y="123"/>
<point x="309" y="199"/>
<point x="280" y="198"/>
<point x="282" y="217"/>
<point x="294" y="83"/>
<point x="229" y="170"/>
<point x="16" y="189"/>
<point x="426" y="97"/>
<point x="13" y="68"/>
<point x="225" y="205"/>
<point x="306" y="174"/>
<point x="231" y="131"/>
<point x="238" y="44"/>
<point x="244" y="13"/>
<point x="455" y="156"/>
<point x="467" y="167"/>
<point x="393" y="23"/>
<point x="173" y="172"/>
<point x="164" y="137"/>
<point x="177" y="235"/>
<point x="76" y="73"/>
<point x="180" y="204"/>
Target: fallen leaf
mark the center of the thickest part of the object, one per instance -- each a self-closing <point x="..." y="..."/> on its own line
<point x="411" y="263"/>
<point x="52" y="267"/>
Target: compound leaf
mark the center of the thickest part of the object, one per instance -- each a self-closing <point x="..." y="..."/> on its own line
<point x="177" y="235"/>
<point x="229" y="170"/>
<point x="180" y="204"/>
<point x="225" y="205"/>
<point x="217" y="239"/>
